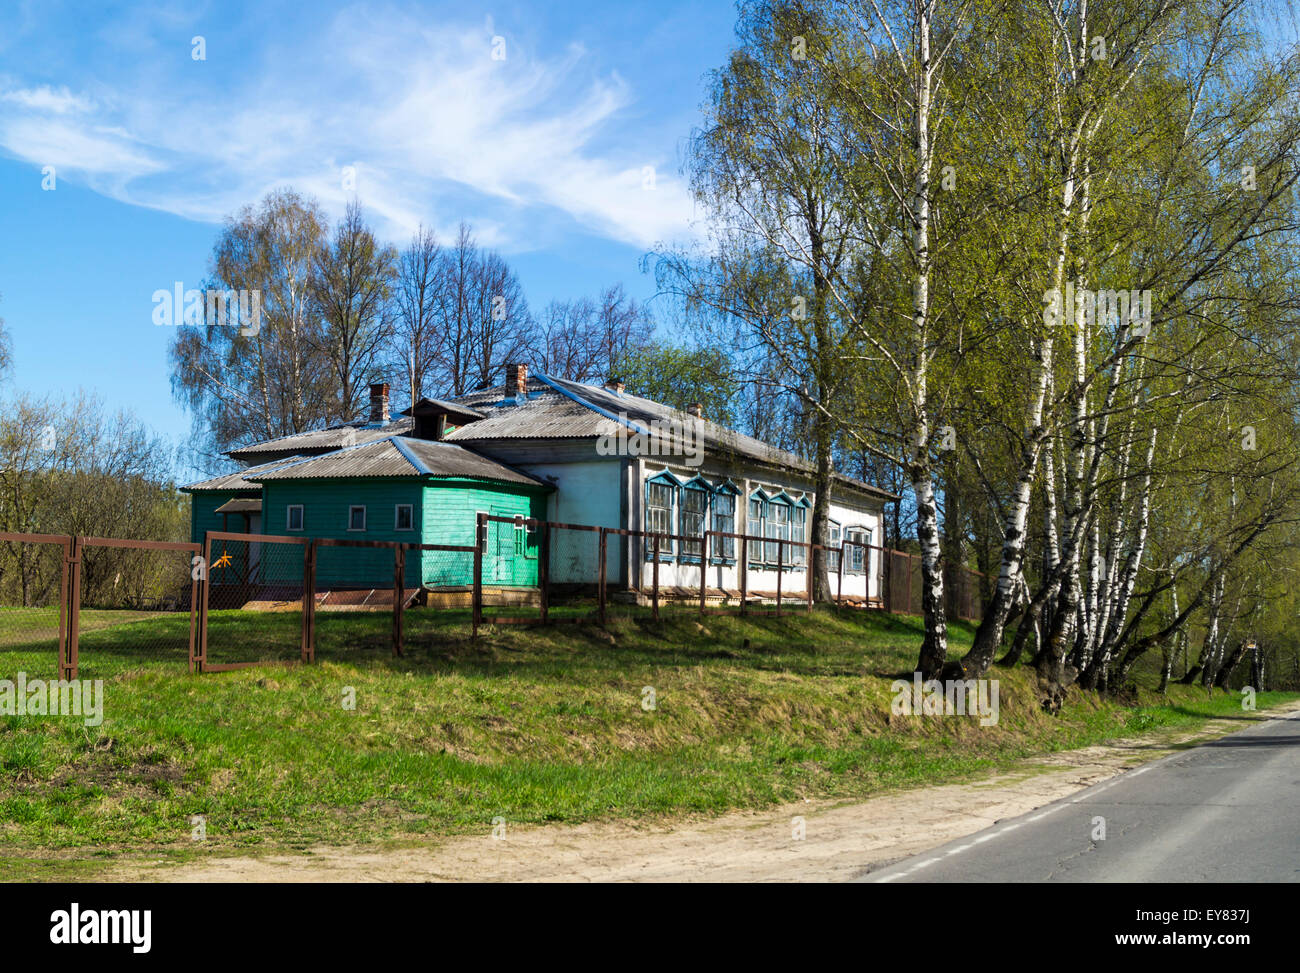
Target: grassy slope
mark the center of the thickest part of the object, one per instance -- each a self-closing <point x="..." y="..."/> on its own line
<point x="530" y="724"/>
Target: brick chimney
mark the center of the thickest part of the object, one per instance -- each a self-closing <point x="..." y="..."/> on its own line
<point x="614" y="385"/>
<point x="695" y="409"/>
<point x="379" y="402"/>
<point x="516" y="381"/>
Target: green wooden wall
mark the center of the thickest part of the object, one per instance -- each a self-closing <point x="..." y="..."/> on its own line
<point x="203" y="515"/>
<point x="443" y="512"/>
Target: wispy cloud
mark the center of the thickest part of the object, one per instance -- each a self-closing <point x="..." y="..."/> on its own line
<point x="432" y="127"/>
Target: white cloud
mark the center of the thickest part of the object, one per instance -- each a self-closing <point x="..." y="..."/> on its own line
<point x="54" y="101"/>
<point x="435" y="129"/>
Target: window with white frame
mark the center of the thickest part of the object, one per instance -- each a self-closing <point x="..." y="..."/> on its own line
<point x="694" y="514"/>
<point x="293" y="517"/>
<point x="724" y="521"/>
<point x="858" y="538"/>
<point x="659" y="497"/>
<point x="778" y="529"/>
<point x="798" y="554"/>
<point x="403" y="517"/>
<point x="356" y="517"/>
<point x="754" y="528"/>
<point x="834" y="535"/>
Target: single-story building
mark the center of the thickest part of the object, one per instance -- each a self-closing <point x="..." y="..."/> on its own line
<point x="547" y="448"/>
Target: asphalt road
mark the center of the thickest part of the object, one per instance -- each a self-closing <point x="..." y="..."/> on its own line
<point x="1225" y="811"/>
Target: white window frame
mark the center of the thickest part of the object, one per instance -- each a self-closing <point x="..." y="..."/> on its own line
<point x="669" y="514"/>
<point x="798" y="532"/>
<point x="860" y="541"/>
<point x="288" y="517"/>
<point x="362" y="508"/>
<point x="397" y="516"/>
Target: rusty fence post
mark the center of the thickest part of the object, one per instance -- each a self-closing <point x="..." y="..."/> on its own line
<point x="839" y="594"/>
<point x="544" y="569"/>
<point x="704" y="570"/>
<point x="809" y="583"/>
<point x="480" y="539"/>
<point x="205" y="595"/>
<point x="70" y="609"/>
<point x="309" y="602"/>
<point x="743" y="568"/>
<point x="780" y="570"/>
<point x="600" y="577"/>
<point x="654" y="571"/>
<point x="194" y="610"/>
<point x="399" y="595"/>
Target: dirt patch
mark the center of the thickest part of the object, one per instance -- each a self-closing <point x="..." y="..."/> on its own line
<point x="841" y="840"/>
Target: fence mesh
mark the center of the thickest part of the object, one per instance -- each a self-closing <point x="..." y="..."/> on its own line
<point x="572" y="571"/>
<point x="134" y="607"/>
<point x="255" y="601"/>
<point x="356" y="584"/>
<point x="31" y="589"/>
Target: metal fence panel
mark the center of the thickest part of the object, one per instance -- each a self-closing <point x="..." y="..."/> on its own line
<point x="34" y="593"/>
<point x="258" y="601"/>
<point x="136" y="605"/>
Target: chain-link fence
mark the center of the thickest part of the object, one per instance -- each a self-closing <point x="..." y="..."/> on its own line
<point x="356" y="583"/>
<point x="135" y="605"/>
<point x="34" y="592"/>
<point x="257" y="604"/>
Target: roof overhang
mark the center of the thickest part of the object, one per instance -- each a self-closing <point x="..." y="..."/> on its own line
<point x="241" y="505"/>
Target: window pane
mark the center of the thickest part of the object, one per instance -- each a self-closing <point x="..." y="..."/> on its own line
<point x="724" y="519"/>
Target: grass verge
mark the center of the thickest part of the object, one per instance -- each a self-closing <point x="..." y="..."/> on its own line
<point x="528" y="724"/>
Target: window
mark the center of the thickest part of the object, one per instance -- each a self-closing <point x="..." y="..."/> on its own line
<point x="356" y="517"/>
<point x="724" y="520"/>
<point x="857" y="539"/>
<point x="695" y="509"/>
<point x="798" y="554"/>
<point x="660" y="494"/>
<point x="778" y="529"/>
<point x="835" y="535"/>
<point x="402" y="517"/>
<point x="293" y="519"/>
<point x="757" y="518"/>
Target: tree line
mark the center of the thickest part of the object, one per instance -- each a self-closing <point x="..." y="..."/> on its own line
<point x="1033" y="263"/>
<point x="341" y="309"/>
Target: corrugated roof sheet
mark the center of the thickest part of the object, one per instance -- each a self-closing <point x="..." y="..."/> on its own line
<point x="398" y="456"/>
<point x="237" y="480"/>
<point x="335" y="437"/>
<point x="557" y="408"/>
<point x="554" y="409"/>
<point x="241" y="505"/>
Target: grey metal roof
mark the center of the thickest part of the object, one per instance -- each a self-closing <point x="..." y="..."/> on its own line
<point x="241" y="505"/>
<point x="322" y="440"/>
<point x="400" y="456"/>
<point x="558" y="408"/>
<point x="238" y="480"/>
<point x="554" y="409"/>
<point x="442" y="405"/>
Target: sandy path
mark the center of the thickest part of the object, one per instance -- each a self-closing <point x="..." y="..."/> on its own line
<point x="840" y="839"/>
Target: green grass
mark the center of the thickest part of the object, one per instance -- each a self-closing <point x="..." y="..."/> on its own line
<point x="527" y="723"/>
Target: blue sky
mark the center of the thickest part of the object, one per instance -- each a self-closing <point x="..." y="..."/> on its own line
<point x="544" y="151"/>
